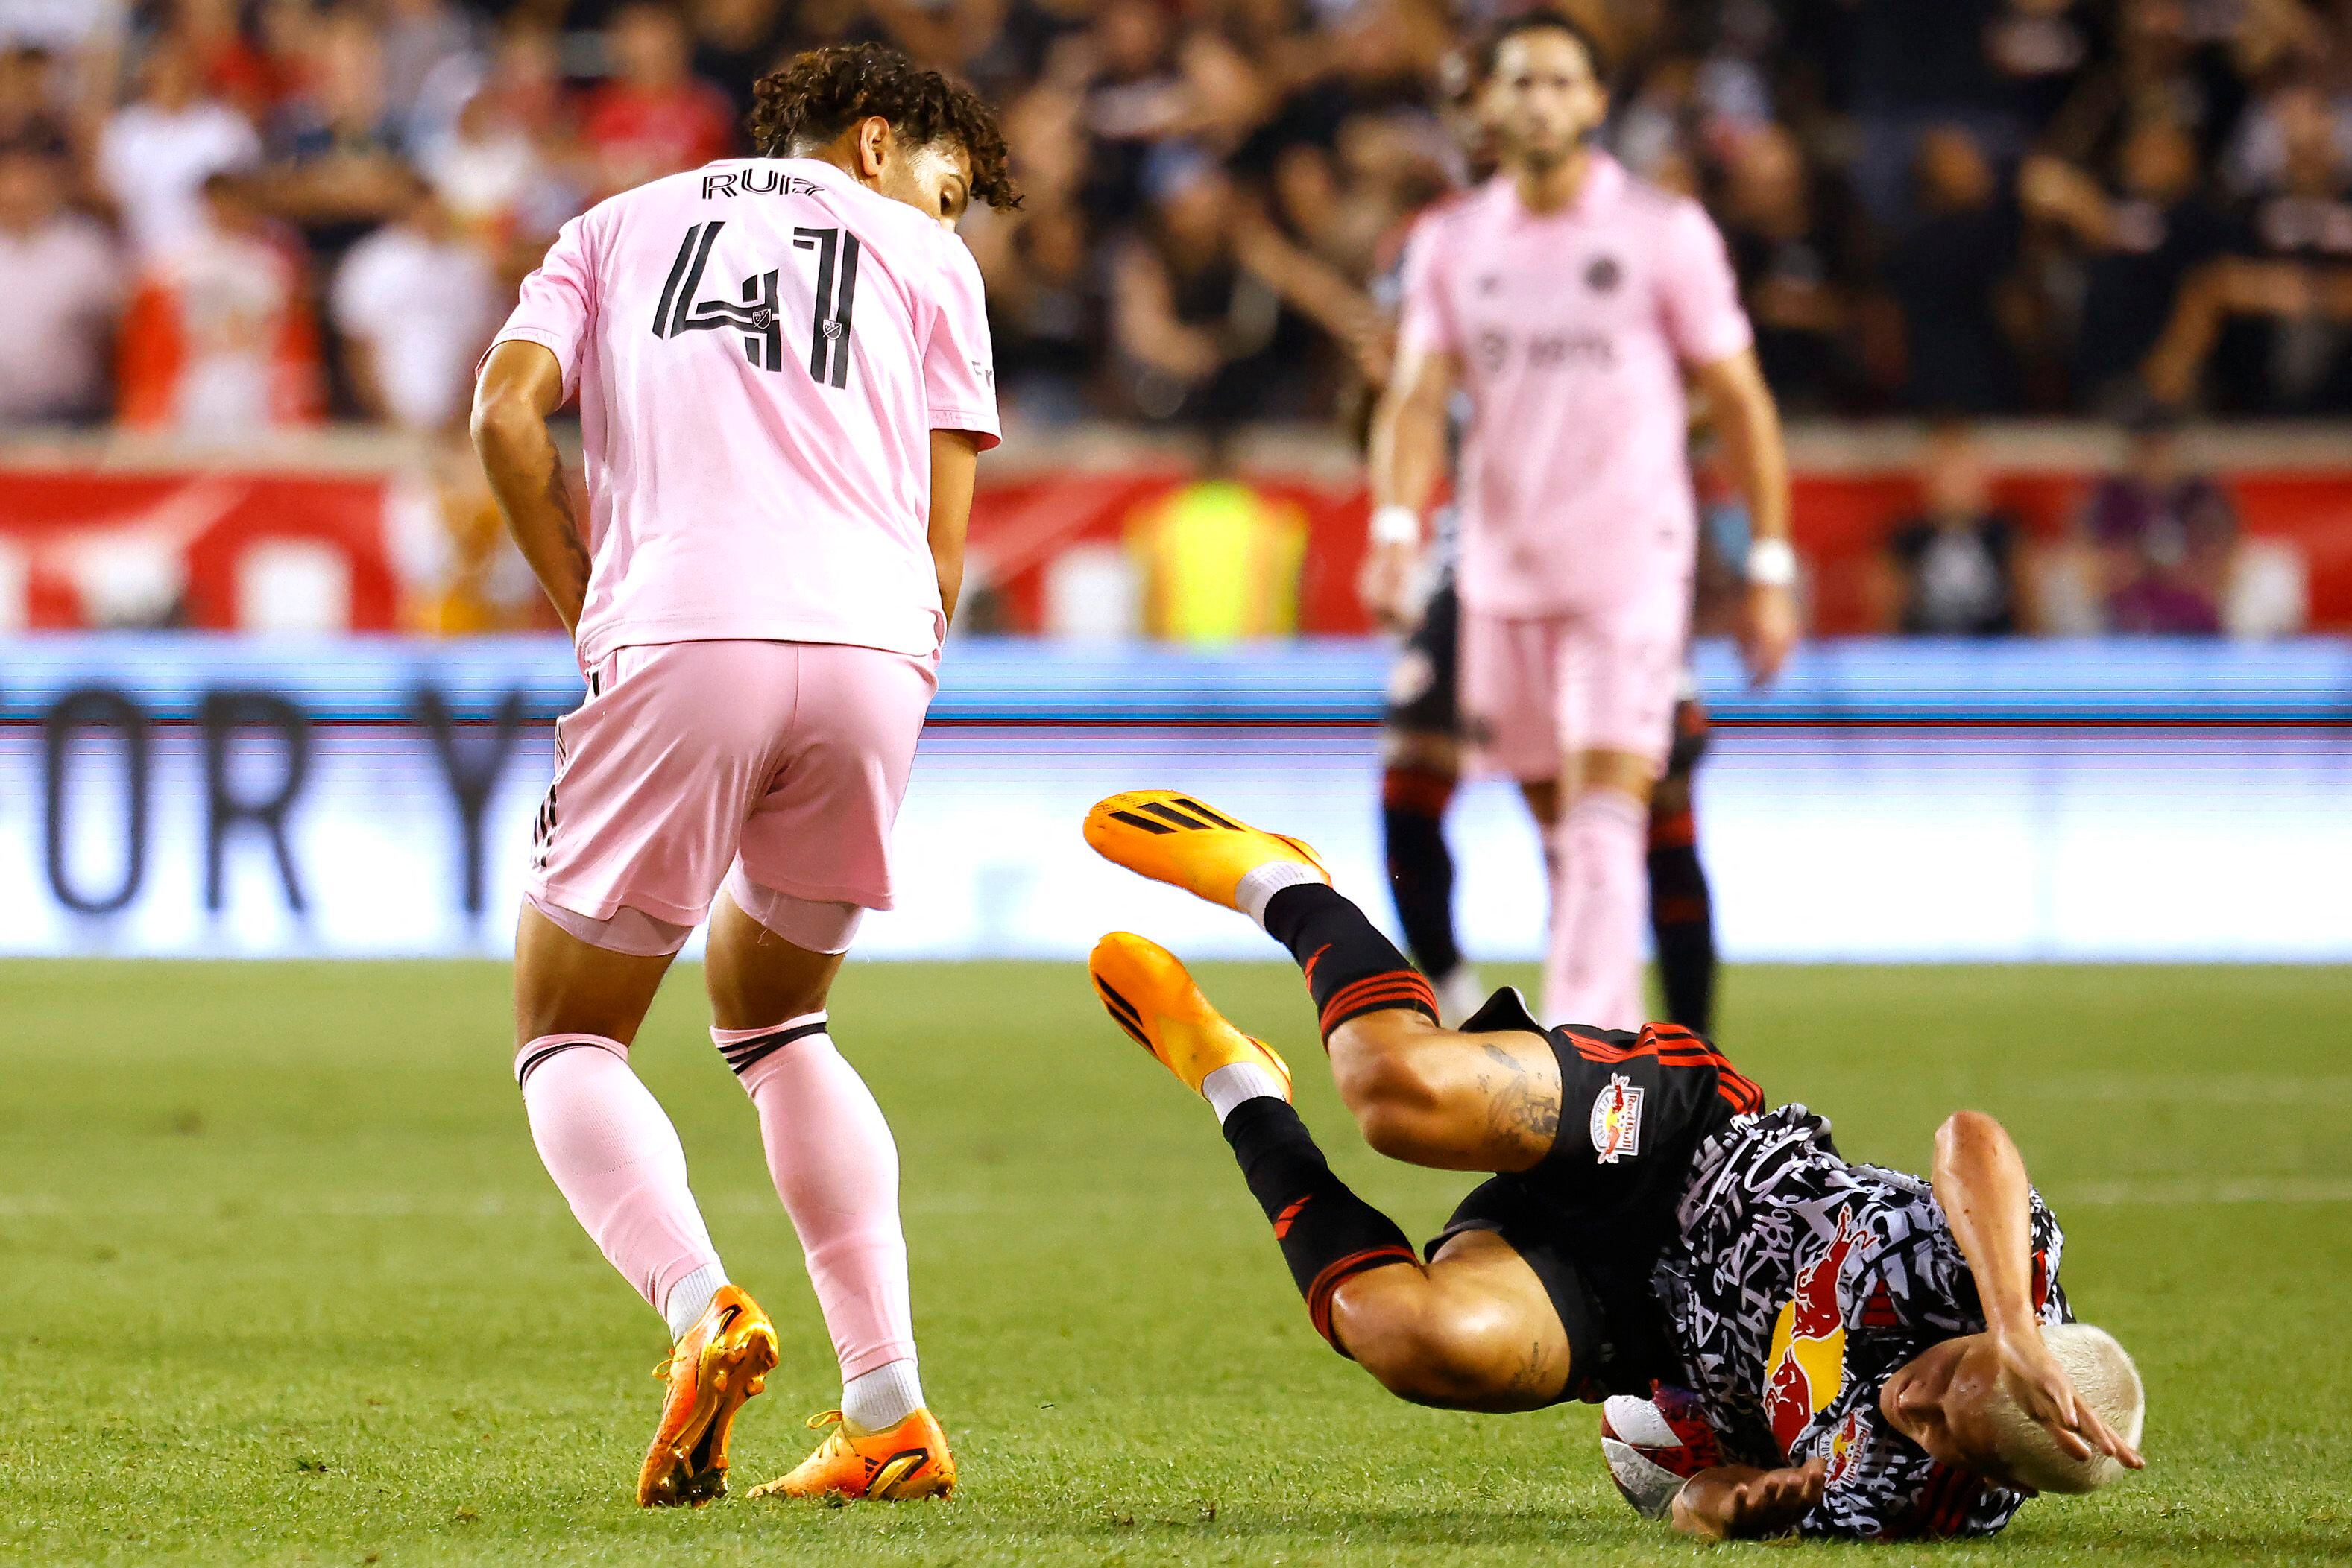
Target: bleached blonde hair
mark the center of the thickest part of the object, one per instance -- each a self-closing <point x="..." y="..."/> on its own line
<point x="2109" y="1384"/>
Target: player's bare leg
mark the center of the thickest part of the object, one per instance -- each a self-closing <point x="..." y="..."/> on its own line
<point x="1421" y="1092"/>
<point x="835" y="1168"/>
<point x="1429" y="1096"/>
<point x="617" y="1161"/>
<point x="1599" y="837"/>
<point x="1472" y="1329"/>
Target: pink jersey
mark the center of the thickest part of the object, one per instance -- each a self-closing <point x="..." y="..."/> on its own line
<point x="1572" y="329"/>
<point x="761" y="348"/>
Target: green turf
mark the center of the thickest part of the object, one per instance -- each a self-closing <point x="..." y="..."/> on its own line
<point x="281" y="1279"/>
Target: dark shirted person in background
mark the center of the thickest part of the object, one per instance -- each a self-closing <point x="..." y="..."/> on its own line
<point x="2165" y="539"/>
<point x="1947" y="276"/>
<point x="1792" y="244"/>
<point x="1916" y="66"/>
<point x="2140" y="237"/>
<point x="2275" y="317"/>
<point x="1952" y="569"/>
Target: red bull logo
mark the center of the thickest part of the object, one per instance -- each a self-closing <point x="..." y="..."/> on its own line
<point x="1806" y="1365"/>
<point x="1842" y="1447"/>
<point x="1617" y="1120"/>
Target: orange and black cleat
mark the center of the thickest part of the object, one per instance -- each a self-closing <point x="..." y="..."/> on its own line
<point x="1148" y="993"/>
<point x="723" y="1360"/>
<point x="909" y="1460"/>
<point x="1175" y="838"/>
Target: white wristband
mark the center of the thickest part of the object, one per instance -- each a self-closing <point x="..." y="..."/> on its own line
<point x="1772" y="563"/>
<point x="1395" y="526"/>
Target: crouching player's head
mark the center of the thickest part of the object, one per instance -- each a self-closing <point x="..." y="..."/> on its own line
<point x="910" y="133"/>
<point x="1953" y="1401"/>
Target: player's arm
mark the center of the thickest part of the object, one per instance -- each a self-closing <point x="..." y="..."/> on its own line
<point x="955" y="467"/>
<point x="521" y="385"/>
<point x="1748" y="423"/>
<point x="1407" y="460"/>
<point x="1734" y="1502"/>
<point x="1980" y="1178"/>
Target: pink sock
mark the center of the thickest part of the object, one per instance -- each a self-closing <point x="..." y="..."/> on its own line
<point x="837" y="1168"/>
<point x="1592" y="974"/>
<point x="615" y="1158"/>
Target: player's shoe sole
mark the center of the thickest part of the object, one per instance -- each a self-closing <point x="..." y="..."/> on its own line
<point x="1147" y="992"/>
<point x="722" y="1361"/>
<point x="908" y="1461"/>
<point x="1171" y="837"/>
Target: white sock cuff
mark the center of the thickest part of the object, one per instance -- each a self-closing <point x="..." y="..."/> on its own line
<point x="1257" y="887"/>
<point x="878" y="1400"/>
<point x="1235" y="1082"/>
<point x="690" y="1298"/>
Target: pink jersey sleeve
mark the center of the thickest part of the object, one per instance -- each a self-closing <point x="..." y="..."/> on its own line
<point x="559" y="302"/>
<point x="1703" y="319"/>
<point x="1426" y="320"/>
<point x="959" y="363"/>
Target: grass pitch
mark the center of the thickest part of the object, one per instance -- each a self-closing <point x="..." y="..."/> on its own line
<point x="281" y="1279"/>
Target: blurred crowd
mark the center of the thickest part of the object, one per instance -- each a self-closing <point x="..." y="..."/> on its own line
<point x="214" y="212"/>
<point x="218" y="216"/>
<point x="2154" y="548"/>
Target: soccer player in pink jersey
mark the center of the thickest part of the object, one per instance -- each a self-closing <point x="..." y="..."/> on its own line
<point x="1570" y="302"/>
<point x="784" y="378"/>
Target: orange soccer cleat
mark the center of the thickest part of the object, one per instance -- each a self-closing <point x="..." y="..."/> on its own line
<point x="1171" y="837"/>
<point x="1148" y="993"/>
<point x="909" y="1460"/>
<point x="723" y="1360"/>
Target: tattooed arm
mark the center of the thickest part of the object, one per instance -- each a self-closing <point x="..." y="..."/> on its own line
<point x="521" y="385"/>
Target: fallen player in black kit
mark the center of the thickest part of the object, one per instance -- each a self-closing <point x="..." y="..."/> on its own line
<point x="1865" y="1354"/>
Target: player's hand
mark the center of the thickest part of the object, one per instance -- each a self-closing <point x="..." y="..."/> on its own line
<point x="2032" y="1377"/>
<point x="1728" y="1501"/>
<point x="1386" y="585"/>
<point x="1768" y="630"/>
<point x="1773" y="1501"/>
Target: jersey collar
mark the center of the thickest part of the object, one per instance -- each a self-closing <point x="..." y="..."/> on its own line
<point x="1604" y="180"/>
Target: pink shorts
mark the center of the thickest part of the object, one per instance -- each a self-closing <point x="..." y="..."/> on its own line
<point x="787" y="760"/>
<point x="1536" y="689"/>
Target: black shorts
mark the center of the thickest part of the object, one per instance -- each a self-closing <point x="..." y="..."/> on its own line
<point x="1592" y="1220"/>
<point x="1422" y="682"/>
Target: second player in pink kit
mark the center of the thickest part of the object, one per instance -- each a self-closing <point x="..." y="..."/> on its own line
<point x="784" y="378"/>
<point x="1570" y="302"/>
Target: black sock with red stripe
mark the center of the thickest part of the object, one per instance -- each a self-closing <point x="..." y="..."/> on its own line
<point x="1329" y="1235"/>
<point x="1421" y="868"/>
<point x="1351" y="970"/>
<point x="1682" y="920"/>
